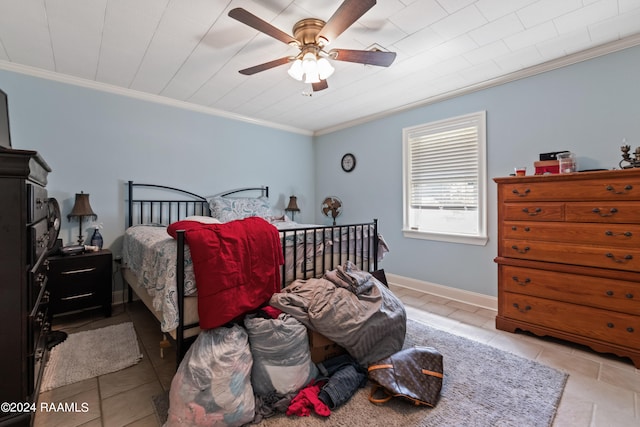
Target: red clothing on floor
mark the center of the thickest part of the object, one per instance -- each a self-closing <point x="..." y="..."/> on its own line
<point x="306" y="400"/>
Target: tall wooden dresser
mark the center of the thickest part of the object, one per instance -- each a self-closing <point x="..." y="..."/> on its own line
<point x="24" y="240"/>
<point x="569" y="258"/>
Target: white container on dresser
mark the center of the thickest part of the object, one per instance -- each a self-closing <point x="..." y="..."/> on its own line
<point x="569" y="258"/>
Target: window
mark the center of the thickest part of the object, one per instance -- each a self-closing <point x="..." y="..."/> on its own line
<point x="444" y="180"/>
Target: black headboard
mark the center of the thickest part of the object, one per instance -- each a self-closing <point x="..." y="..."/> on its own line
<point x="172" y="204"/>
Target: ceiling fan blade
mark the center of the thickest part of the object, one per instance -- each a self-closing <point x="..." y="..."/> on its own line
<point x="253" y="21"/>
<point x="321" y="85"/>
<point x="370" y="57"/>
<point x="348" y="13"/>
<point x="267" y="65"/>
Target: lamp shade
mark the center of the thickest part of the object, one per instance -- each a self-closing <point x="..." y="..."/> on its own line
<point x="293" y="205"/>
<point x="81" y="207"/>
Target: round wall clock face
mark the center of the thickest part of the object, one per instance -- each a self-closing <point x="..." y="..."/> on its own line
<point x="348" y="162"/>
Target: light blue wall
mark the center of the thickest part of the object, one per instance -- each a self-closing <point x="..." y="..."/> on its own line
<point x="586" y="108"/>
<point x="96" y="141"/>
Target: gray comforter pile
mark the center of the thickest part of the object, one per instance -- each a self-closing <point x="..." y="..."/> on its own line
<point x="350" y="307"/>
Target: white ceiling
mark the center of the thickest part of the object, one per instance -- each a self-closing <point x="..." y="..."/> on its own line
<point x="191" y="50"/>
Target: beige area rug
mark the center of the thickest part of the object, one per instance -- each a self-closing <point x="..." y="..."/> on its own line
<point x="483" y="387"/>
<point x="90" y="354"/>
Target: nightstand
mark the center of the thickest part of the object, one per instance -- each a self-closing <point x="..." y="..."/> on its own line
<point x="81" y="281"/>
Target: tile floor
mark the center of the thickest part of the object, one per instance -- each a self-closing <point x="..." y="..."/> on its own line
<point x="601" y="391"/>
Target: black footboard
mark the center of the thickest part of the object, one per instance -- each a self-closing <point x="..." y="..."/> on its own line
<point x="308" y="251"/>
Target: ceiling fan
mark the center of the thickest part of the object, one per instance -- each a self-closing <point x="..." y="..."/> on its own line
<point x="311" y="36"/>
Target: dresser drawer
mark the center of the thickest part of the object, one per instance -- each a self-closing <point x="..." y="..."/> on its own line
<point x="617" y="235"/>
<point x="595" y="256"/>
<point x="609" y="212"/>
<point x="534" y="211"/>
<point x="37" y="202"/>
<point x="37" y="280"/>
<point x="38" y="240"/>
<point x="81" y="281"/>
<point x="616" y="186"/>
<point x="611" y="294"/>
<point x="612" y="327"/>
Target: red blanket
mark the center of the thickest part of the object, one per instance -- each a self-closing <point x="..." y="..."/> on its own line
<point x="236" y="265"/>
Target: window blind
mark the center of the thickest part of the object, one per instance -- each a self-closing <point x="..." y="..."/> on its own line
<point x="444" y="166"/>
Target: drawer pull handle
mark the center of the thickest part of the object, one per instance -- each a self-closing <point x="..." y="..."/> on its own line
<point x="519" y="194"/>
<point x="613" y="190"/>
<point x="609" y="293"/>
<point x="522" y="251"/>
<point x="630" y="329"/>
<point x="610" y="325"/>
<point x="524" y="282"/>
<point x="514" y="228"/>
<point x="76" y="296"/>
<point x="611" y="212"/>
<point x="630" y="296"/>
<point x="522" y="310"/>
<point x="82" y="270"/>
<point x="535" y="212"/>
<point x="625" y="234"/>
<point x="619" y="260"/>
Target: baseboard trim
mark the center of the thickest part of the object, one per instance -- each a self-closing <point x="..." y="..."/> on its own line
<point x="468" y="297"/>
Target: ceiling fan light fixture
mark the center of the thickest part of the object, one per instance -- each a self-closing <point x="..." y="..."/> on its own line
<point x="325" y="69"/>
<point x="310" y="67"/>
<point x="311" y="36"/>
<point x="312" y="78"/>
<point x="296" y="70"/>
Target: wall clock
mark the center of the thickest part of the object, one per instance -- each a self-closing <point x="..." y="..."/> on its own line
<point x="348" y="162"/>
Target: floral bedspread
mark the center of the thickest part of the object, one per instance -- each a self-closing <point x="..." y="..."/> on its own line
<point x="151" y="254"/>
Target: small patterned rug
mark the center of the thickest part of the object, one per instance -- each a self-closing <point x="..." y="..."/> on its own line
<point x="483" y="387"/>
<point x="90" y="354"/>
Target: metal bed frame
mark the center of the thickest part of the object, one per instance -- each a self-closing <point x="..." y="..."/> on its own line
<point x="166" y="211"/>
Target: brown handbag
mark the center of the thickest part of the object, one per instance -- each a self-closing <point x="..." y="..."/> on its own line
<point x="415" y="374"/>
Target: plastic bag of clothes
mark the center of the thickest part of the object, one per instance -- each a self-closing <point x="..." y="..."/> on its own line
<point x="212" y="386"/>
<point x="281" y="358"/>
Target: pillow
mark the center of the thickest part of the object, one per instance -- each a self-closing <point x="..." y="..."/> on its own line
<point x="231" y="208"/>
<point x="276" y="219"/>
<point x="203" y="219"/>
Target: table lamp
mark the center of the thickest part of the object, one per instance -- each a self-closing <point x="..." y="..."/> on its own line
<point x="81" y="208"/>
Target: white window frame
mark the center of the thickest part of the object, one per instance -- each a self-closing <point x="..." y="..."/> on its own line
<point x="479" y="237"/>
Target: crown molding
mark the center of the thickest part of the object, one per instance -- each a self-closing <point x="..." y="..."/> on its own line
<point x="131" y="93"/>
<point x="553" y="64"/>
